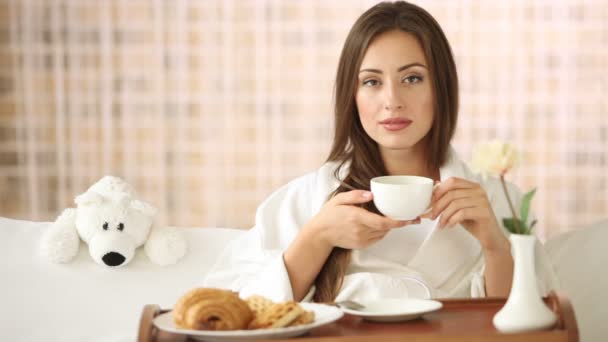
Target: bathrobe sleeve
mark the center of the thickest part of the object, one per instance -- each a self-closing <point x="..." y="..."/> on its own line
<point x="546" y="278"/>
<point x="253" y="263"/>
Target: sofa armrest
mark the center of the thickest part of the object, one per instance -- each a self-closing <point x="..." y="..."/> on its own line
<point x="579" y="259"/>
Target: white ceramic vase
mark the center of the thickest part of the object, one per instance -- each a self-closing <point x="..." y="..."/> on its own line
<point x="524" y="309"/>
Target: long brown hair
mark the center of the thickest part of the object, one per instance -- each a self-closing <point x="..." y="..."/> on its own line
<point x="352" y="147"/>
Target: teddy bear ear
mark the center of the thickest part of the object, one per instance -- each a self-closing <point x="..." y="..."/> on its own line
<point x="144" y="207"/>
<point x="88" y="197"/>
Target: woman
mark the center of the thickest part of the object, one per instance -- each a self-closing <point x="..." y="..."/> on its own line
<point x="320" y="236"/>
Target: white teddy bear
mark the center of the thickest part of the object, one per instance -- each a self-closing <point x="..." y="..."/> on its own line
<point x="113" y="224"/>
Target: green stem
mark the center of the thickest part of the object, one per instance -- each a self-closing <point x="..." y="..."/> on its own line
<point x="515" y="218"/>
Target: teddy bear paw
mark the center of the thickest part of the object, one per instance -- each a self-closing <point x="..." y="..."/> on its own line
<point x="67" y="219"/>
<point x="60" y="242"/>
<point x="166" y="247"/>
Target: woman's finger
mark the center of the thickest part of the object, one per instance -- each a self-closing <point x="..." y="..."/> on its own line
<point x="376" y="221"/>
<point x="454" y="206"/>
<point x="417" y="220"/>
<point x="452" y="183"/>
<point x="464" y="214"/>
<point x="441" y="203"/>
<point x="352" y="197"/>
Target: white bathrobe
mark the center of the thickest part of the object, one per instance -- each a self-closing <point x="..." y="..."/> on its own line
<point x="413" y="261"/>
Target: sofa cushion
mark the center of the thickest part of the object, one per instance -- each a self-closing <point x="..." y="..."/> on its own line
<point x="82" y="301"/>
<point x="579" y="258"/>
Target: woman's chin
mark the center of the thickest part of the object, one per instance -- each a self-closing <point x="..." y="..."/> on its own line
<point x="398" y="144"/>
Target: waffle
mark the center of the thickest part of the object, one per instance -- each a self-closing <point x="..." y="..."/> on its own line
<point x="277" y="316"/>
<point x="305" y="318"/>
<point x="258" y="304"/>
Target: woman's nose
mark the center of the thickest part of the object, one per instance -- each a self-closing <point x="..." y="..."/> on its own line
<point x="391" y="98"/>
<point x="389" y="106"/>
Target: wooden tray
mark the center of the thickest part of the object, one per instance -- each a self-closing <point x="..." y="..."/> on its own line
<point x="458" y="320"/>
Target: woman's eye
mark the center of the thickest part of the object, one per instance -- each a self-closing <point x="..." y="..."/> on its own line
<point x="412" y="79"/>
<point x="370" y="83"/>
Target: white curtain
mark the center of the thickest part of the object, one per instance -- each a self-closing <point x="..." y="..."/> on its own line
<point x="208" y="106"/>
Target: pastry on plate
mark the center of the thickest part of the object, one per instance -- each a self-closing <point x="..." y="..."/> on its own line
<point x="212" y="309"/>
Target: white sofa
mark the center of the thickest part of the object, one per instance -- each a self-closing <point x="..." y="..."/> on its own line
<point x="580" y="261"/>
<point x="82" y="301"/>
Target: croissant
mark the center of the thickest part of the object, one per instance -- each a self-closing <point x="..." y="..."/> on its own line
<point x="211" y="309"/>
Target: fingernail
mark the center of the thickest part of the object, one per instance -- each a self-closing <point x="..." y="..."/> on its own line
<point x="367" y="194"/>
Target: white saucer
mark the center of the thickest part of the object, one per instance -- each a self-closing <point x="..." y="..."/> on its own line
<point x="394" y="309"/>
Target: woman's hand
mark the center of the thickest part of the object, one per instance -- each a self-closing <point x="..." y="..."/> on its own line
<point x="340" y="223"/>
<point x="460" y="201"/>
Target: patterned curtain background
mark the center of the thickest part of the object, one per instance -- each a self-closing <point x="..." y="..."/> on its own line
<point x="206" y="107"/>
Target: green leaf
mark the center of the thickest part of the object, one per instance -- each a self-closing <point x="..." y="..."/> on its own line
<point x="525" y="204"/>
<point x="524" y="228"/>
<point x="509" y="223"/>
<point x="532" y="226"/>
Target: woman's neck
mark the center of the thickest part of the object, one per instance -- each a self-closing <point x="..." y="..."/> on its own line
<point x="410" y="161"/>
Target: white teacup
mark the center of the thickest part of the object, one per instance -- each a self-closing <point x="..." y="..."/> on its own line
<point x="402" y="197"/>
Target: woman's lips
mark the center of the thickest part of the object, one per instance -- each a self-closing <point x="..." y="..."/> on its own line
<point x="395" y="124"/>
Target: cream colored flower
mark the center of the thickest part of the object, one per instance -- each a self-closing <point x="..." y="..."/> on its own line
<point x="494" y="157"/>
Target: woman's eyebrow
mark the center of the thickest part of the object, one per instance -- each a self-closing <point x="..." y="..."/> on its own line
<point x="401" y="68"/>
<point x="407" y="66"/>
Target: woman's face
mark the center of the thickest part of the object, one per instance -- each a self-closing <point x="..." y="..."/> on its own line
<point x="394" y="95"/>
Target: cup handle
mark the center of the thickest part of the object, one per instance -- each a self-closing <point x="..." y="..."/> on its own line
<point x="436" y="185"/>
<point x="429" y="209"/>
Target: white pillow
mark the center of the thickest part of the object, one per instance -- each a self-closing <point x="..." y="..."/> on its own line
<point x="580" y="260"/>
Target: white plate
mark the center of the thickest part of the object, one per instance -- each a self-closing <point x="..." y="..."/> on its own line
<point x="394" y="310"/>
<point x="324" y="314"/>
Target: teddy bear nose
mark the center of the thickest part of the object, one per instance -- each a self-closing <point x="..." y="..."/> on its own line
<point x="113" y="259"/>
